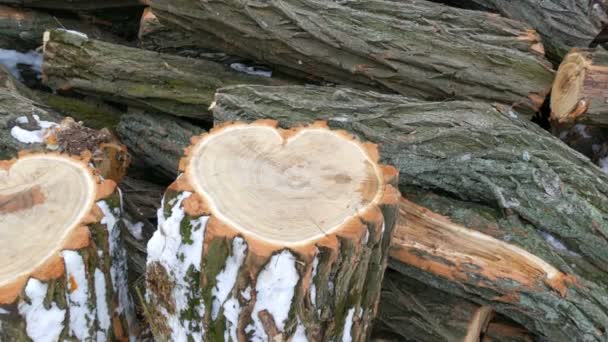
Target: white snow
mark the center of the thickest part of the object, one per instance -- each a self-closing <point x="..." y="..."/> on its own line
<point x="526" y="156"/>
<point x="232" y="309"/>
<point x="275" y="289"/>
<point x="80" y="34"/>
<point x="41" y="324"/>
<point x="582" y="130"/>
<point x="250" y="70"/>
<point x="313" y="287"/>
<point x="82" y="318"/>
<point x="300" y="334"/>
<point x="246" y="294"/>
<point x="31" y="137"/>
<point x="512" y="114"/>
<point x="134" y="228"/>
<point x="225" y="280"/>
<point x="118" y="268"/>
<point x="604" y="164"/>
<point x="556" y="243"/>
<point x="465" y="157"/>
<point x="103" y="316"/>
<point x="348" y="325"/>
<point x="11" y="58"/>
<point x="167" y="248"/>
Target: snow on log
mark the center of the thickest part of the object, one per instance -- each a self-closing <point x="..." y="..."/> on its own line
<point x="143" y="79"/>
<point x="580" y="89"/>
<point x="63" y="272"/>
<point x="292" y="249"/>
<point x="498" y="185"/>
<point x="415" y="48"/>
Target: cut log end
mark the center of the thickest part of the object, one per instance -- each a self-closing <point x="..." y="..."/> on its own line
<point x="300" y="185"/>
<point x="44" y="199"/>
<point x="567" y="95"/>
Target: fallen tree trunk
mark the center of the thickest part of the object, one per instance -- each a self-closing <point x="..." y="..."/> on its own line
<point x="68" y="280"/>
<point x="502" y="329"/>
<point x="294" y="249"/>
<point x="24" y="124"/>
<point x="156" y="141"/>
<point x="527" y="215"/>
<point x="563" y="24"/>
<point x="145" y="79"/>
<point x="416" y="312"/>
<point x="387" y="45"/>
<point x="580" y="89"/>
<point x="73" y="4"/>
<point x="22" y="29"/>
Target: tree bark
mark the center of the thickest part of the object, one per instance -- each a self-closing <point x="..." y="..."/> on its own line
<point x="502" y="329"/>
<point x="416" y="312"/>
<point x="580" y="90"/>
<point x="145" y="79"/>
<point x="24" y="124"/>
<point x="22" y="29"/>
<point x="206" y="276"/>
<point x="80" y="290"/>
<point x="495" y="179"/>
<point x="386" y="45"/>
<point x="562" y="24"/>
<point x="73" y="4"/>
<point x="156" y="141"/>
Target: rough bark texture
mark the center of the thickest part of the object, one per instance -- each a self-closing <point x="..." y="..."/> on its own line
<point x="416" y="312"/>
<point x="563" y="24"/>
<point x="207" y="280"/>
<point x="384" y="44"/>
<point x="156" y="141"/>
<point x="88" y="300"/>
<point x="580" y="90"/>
<point x="73" y="4"/>
<point x="22" y="29"/>
<point x="487" y="172"/>
<point x="157" y="82"/>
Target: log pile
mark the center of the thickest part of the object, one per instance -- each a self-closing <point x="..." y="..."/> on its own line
<point x="304" y="170"/>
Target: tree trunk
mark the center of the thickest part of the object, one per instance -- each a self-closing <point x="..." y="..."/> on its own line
<point x="382" y="44"/>
<point x="499" y="182"/>
<point x="416" y="312"/>
<point x="73" y="282"/>
<point x="24" y="124"/>
<point x="502" y="329"/>
<point x="563" y="24"/>
<point x="145" y="79"/>
<point x="22" y="29"/>
<point x="319" y="213"/>
<point x="73" y="4"/>
<point x="580" y="90"/>
<point x="156" y="141"/>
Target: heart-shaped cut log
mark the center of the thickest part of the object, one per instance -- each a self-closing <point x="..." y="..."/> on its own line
<point x="282" y="187"/>
<point x="43" y="198"/>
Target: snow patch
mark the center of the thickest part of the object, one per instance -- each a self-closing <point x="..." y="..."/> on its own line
<point x="79" y="34"/>
<point x="3" y="312"/>
<point x="134" y="228"/>
<point x="11" y="58"/>
<point x="313" y="287"/>
<point x="31" y="137"/>
<point x="582" y="130"/>
<point x="300" y="334"/>
<point x="348" y="325"/>
<point x="275" y="289"/>
<point x="82" y="318"/>
<point x="465" y="157"/>
<point x="167" y="248"/>
<point x="556" y="243"/>
<point x="232" y="308"/>
<point x="246" y="294"/>
<point x="103" y="316"/>
<point x="250" y="70"/>
<point x="525" y="156"/>
<point x="604" y="164"/>
<point x="41" y="324"/>
<point x="225" y="280"/>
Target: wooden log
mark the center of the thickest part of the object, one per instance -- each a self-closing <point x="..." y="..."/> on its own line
<point x="413" y="311"/>
<point x="22" y="29"/>
<point x="491" y="183"/>
<point x="24" y="124"/>
<point x="145" y="79"/>
<point x="73" y="4"/>
<point x="68" y="280"/>
<point x="502" y="329"/>
<point x="580" y="89"/>
<point x="563" y="24"/>
<point x="415" y="48"/>
<point x="294" y="248"/>
<point x="156" y="141"/>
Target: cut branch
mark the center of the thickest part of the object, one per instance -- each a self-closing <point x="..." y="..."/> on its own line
<point x="296" y="247"/>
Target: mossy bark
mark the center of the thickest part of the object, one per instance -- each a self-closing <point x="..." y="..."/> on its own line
<point x="206" y="285"/>
<point x="145" y="79"/>
<point x="486" y="171"/>
<point x="156" y="141"/>
<point x="419" y="48"/>
<point x="96" y="318"/>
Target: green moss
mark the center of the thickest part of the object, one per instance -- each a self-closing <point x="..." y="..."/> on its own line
<point x="215" y="259"/>
<point x="94" y="114"/>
